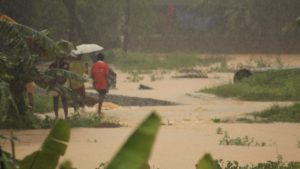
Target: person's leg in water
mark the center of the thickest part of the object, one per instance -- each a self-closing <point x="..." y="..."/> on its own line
<point x="64" y="102"/>
<point x="29" y="89"/>
<point x="76" y="101"/>
<point x="55" y="105"/>
<point x="30" y="100"/>
<point x="100" y="102"/>
<point x="80" y="97"/>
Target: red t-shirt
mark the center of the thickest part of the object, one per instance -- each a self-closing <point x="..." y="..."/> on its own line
<point x="99" y="74"/>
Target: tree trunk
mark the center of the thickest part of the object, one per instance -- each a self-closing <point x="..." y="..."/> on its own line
<point x="127" y="23"/>
<point x="75" y="26"/>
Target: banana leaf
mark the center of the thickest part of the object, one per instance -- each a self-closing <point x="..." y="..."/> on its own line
<point x="65" y="73"/>
<point x="53" y="147"/>
<point x="136" y="151"/>
<point x="6" y="160"/>
<point x="24" y="40"/>
<point x="6" y="99"/>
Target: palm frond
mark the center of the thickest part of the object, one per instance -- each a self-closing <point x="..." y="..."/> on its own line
<point x="12" y="40"/>
<point x="65" y="73"/>
<point x="23" y="39"/>
<point x="6" y="99"/>
<point x="36" y="40"/>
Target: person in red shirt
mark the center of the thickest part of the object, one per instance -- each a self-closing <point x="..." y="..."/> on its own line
<point x="99" y="74"/>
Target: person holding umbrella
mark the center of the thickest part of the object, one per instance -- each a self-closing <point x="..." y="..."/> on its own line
<point x="99" y="74"/>
<point x="79" y="67"/>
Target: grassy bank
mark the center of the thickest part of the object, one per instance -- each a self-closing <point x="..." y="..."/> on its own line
<point x="275" y="113"/>
<point x="280" y="85"/>
<point x="74" y="120"/>
<point x="151" y="61"/>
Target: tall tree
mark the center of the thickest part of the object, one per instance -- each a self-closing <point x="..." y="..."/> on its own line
<point x="75" y="27"/>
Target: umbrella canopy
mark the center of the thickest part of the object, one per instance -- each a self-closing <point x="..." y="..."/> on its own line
<point x="86" y="48"/>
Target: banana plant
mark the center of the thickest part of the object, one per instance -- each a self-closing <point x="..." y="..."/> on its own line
<point x="134" y="154"/>
<point x="136" y="151"/>
<point x="21" y="48"/>
<point x="52" y="149"/>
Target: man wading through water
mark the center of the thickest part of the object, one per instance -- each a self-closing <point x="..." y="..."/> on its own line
<point x="99" y="74"/>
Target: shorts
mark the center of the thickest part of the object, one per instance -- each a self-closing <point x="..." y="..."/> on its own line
<point x="102" y="91"/>
<point x="29" y="87"/>
<point x="80" y="91"/>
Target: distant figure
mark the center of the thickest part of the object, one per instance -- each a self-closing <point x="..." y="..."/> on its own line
<point x="59" y="63"/>
<point x="29" y="90"/>
<point x="99" y="74"/>
<point x="79" y="67"/>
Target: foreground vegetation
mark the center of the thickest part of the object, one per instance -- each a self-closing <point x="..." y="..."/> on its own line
<point x="277" y="85"/>
<point x="134" y="154"/>
<point x="75" y="120"/>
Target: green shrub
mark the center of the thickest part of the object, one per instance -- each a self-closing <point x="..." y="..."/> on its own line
<point x="42" y="103"/>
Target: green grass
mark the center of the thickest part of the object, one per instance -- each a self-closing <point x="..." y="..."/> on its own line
<point x="280" y="85"/>
<point x="42" y="103"/>
<point x="75" y="120"/>
<point x="276" y="114"/>
<point x="152" y="61"/>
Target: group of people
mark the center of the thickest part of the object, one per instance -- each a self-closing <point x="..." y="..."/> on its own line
<point x="99" y="73"/>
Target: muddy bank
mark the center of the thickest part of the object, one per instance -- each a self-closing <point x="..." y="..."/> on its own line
<point x="91" y="99"/>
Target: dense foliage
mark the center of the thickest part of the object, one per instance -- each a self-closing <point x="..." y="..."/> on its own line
<point x="20" y="50"/>
<point x="148" y="25"/>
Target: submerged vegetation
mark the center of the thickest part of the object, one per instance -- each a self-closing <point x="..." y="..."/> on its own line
<point x="75" y="120"/>
<point x="238" y="141"/>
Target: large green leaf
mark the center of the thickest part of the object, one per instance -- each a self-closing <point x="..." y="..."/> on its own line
<point x="136" y="151"/>
<point x="6" y="99"/>
<point x="7" y="161"/>
<point x="65" y="73"/>
<point x="58" y="138"/>
<point x="23" y="40"/>
<point x="53" y="147"/>
<point x="206" y="162"/>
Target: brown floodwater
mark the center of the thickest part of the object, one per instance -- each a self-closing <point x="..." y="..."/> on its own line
<point x="175" y="147"/>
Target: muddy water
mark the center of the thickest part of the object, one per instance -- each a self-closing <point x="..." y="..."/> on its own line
<point x="175" y="147"/>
